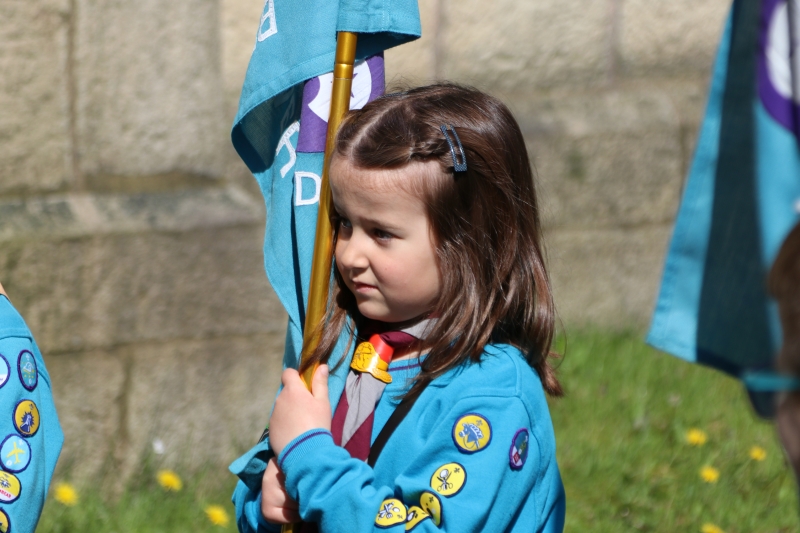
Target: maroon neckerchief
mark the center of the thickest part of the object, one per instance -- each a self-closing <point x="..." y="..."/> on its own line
<point x="354" y="417"/>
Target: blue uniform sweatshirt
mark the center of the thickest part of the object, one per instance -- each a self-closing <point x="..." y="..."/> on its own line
<point x="475" y="453"/>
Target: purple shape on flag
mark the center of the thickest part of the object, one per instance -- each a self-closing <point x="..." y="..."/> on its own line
<point x="777" y="52"/>
<point x="313" y="127"/>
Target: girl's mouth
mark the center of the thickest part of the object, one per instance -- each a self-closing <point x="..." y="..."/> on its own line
<point x="362" y="287"/>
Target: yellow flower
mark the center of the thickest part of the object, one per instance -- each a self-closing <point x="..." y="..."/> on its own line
<point x="757" y="453"/>
<point x="696" y="437"/>
<point x="709" y="474"/>
<point x="66" y="494"/>
<point x="710" y="528"/>
<point x="218" y="515"/>
<point x="169" y="480"/>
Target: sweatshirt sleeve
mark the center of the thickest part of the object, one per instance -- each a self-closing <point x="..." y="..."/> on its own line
<point x="475" y="470"/>
<point x="30" y="434"/>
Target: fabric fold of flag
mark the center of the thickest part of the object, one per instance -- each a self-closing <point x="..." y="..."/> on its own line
<point x="739" y="203"/>
<point x="279" y="130"/>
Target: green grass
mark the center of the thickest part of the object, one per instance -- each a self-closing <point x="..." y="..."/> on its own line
<point x="622" y="449"/>
<point x="144" y="508"/>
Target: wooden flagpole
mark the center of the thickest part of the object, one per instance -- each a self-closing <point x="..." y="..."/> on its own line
<point x="323" y="242"/>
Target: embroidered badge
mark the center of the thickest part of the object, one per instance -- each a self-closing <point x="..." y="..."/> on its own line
<point x="415" y="516"/>
<point x="5" y="370"/>
<point x="15" y="454"/>
<point x="449" y="479"/>
<point x="472" y="433"/>
<point x="430" y="503"/>
<point x="518" y="453"/>
<point x="26" y="418"/>
<point x="392" y="512"/>
<point x="10" y="487"/>
<point x="28" y="374"/>
<point x="5" y="523"/>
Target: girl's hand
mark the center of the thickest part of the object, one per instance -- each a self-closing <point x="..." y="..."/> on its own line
<point x="297" y="410"/>
<point x="276" y="506"/>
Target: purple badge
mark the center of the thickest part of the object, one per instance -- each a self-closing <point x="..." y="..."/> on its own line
<point x="368" y="84"/>
<point x="778" y="56"/>
<point x="518" y="453"/>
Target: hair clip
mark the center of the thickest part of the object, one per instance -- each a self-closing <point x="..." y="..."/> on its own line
<point x="458" y="167"/>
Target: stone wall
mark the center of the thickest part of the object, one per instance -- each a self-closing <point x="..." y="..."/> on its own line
<point x="130" y="233"/>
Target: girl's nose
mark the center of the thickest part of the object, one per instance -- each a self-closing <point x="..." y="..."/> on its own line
<point x="350" y="253"/>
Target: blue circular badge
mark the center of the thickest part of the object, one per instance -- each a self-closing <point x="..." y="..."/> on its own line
<point x="5" y="370"/>
<point x="28" y="373"/>
<point x="15" y="454"/>
<point x="518" y="453"/>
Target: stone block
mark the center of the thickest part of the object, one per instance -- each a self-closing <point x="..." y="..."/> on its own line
<point x="606" y="158"/>
<point x="206" y="400"/>
<point x="88" y="390"/>
<point x="512" y="45"/>
<point x="150" y="91"/>
<point x="607" y="277"/>
<point x="35" y="149"/>
<point x="416" y="63"/>
<point x="677" y="37"/>
<point x="239" y="20"/>
<point x="134" y="268"/>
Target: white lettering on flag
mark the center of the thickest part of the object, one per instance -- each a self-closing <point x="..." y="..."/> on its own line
<point x="359" y="94"/>
<point x="272" y="29"/>
<point x="298" y="188"/>
<point x="286" y="140"/>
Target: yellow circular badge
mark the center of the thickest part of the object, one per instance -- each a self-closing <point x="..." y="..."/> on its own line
<point x="26" y="418"/>
<point x="431" y="504"/>
<point x="392" y="512"/>
<point x="449" y="479"/>
<point x="415" y="516"/>
<point x="9" y="487"/>
<point x="5" y="523"/>
<point x="472" y="433"/>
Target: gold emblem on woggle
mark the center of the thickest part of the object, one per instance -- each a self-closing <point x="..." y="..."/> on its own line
<point x="366" y="359"/>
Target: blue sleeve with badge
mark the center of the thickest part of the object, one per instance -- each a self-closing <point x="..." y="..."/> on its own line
<point x="30" y="434"/>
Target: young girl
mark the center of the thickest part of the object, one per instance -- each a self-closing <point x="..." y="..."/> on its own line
<point x="439" y="263"/>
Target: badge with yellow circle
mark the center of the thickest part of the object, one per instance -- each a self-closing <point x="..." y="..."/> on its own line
<point x="472" y="433"/>
<point x="26" y="418"/>
<point x="10" y="487"/>
<point x="415" y="516"/>
<point x="449" y="479"/>
<point x="430" y="503"/>
<point x="5" y="523"/>
<point x="391" y="513"/>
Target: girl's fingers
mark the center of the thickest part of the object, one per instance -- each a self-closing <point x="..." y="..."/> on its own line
<point x="289" y="377"/>
<point x="319" y="383"/>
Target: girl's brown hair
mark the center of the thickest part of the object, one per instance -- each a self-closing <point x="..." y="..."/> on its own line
<point x="485" y="223"/>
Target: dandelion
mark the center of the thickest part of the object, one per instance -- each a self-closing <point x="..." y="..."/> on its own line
<point x="169" y="480"/>
<point x="217" y="515"/>
<point x="709" y="474"/>
<point x="66" y="494"/>
<point x="757" y="453"/>
<point x="696" y="437"/>
<point x="710" y="528"/>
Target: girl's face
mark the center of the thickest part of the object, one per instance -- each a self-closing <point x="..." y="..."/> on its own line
<point x="384" y="250"/>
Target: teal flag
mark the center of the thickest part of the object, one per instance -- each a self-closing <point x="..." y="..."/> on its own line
<point x="741" y="200"/>
<point x="279" y="130"/>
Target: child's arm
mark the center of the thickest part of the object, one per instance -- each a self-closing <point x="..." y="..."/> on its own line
<point x="30" y="434"/>
<point x="440" y="487"/>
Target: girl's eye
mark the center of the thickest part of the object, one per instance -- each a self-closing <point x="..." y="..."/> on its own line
<point x="382" y="235"/>
<point x="340" y="222"/>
